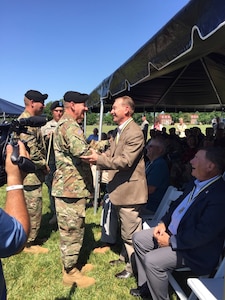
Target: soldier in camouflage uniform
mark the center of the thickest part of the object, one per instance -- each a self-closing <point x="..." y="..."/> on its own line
<point x="72" y="185"/>
<point x="34" y="104"/>
<point x="47" y="132"/>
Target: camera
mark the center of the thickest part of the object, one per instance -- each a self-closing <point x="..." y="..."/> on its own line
<point x="10" y="135"/>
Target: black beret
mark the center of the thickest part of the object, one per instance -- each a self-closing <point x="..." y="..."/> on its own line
<point x="56" y="104"/>
<point x="36" y="96"/>
<point x="75" y="97"/>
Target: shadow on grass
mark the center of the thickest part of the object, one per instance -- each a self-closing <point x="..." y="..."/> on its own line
<point x="46" y="229"/>
<point x="71" y="293"/>
<point x="90" y="243"/>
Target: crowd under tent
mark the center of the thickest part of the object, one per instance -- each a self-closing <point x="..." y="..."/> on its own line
<point x="181" y="68"/>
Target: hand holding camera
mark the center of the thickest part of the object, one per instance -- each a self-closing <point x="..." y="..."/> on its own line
<point x="12" y="169"/>
<point x="9" y="136"/>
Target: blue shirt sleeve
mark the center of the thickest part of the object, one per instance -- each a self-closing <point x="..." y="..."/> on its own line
<point x="12" y="235"/>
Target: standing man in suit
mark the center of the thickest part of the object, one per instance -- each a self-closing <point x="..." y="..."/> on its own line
<point x="126" y="176"/>
<point x="144" y="127"/>
<point x="191" y="233"/>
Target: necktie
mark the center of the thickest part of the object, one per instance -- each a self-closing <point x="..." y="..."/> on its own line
<point x="118" y="135"/>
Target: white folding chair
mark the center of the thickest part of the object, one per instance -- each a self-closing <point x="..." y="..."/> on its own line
<point x="197" y="283"/>
<point x="223" y="176"/>
<point x="176" y="286"/>
<point x="209" y="288"/>
<point x="170" y="195"/>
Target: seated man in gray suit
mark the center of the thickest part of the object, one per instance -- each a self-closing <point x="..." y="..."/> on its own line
<point x="190" y="234"/>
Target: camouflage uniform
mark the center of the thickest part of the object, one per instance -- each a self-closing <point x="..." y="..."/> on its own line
<point x="33" y="181"/>
<point x="72" y="185"/>
<point x="47" y="131"/>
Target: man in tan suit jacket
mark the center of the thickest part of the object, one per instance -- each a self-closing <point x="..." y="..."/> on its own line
<point x="127" y="185"/>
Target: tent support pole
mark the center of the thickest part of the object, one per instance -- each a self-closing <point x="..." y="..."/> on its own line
<point x="97" y="177"/>
<point x="85" y="123"/>
<point x="173" y="83"/>
<point x="211" y="81"/>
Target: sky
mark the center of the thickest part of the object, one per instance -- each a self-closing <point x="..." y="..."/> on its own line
<point x="55" y="46"/>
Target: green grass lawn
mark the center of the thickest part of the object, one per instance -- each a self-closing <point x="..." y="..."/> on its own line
<point x="39" y="276"/>
<point x="106" y="128"/>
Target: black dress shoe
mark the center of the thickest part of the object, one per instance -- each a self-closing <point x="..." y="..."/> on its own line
<point x="116" y="262"/>
<point x="141" y="291"/>
<point x="124" y="275"/>
<point x="136" y="292"/>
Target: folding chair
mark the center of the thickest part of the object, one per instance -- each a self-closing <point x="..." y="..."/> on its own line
<point x="176" y="286"/>
<point x="197" y="284"/>
<point x="170" y="195"/>
<point x="209" y="288"/>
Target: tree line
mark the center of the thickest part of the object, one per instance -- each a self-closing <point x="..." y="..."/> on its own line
<point x="93" y="118"/>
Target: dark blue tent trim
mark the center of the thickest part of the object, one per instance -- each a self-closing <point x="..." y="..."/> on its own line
<point x="181" y="67"/>
<point x="10" y="109"/>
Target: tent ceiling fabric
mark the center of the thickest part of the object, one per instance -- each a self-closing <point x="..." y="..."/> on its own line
<point x="182" y="67"/>
<point x="9" y="108"/>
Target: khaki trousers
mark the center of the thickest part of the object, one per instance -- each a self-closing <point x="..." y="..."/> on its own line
<point x="131" y="222"/>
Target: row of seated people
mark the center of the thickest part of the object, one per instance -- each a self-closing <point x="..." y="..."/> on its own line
<point x="180" y="151"/>
<point x="167" y="163"/>
<point x="191" y="233"/>
<point x="167" y="158"/>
